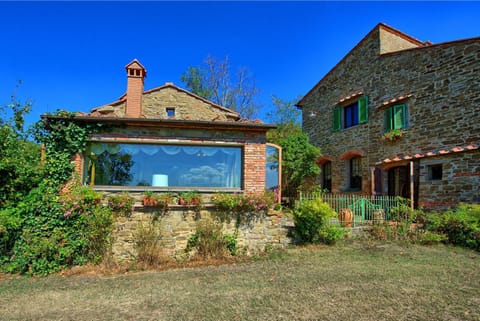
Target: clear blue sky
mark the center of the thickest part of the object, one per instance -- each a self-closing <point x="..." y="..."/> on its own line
<point x="71" y="55"/>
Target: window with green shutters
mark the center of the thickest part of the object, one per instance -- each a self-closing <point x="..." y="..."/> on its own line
<point x="351" y="115"/>
<point x="396" y="117"/>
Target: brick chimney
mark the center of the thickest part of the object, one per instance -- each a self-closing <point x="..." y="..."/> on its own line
<point x="135" y="75"/>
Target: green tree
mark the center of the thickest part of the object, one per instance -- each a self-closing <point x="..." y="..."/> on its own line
<point x="284" y="112"/>
<point x="213" y="81"/>
<point x="299" y="169"/>
<point x="19" y="158"/>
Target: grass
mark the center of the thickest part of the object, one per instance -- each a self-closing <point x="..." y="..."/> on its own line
<point x="354" y="281"/>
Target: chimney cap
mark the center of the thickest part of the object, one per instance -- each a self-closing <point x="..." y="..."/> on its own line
<point x="135" y="64"/>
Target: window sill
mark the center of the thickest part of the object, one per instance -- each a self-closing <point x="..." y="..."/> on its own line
<point x="166" y="189"/>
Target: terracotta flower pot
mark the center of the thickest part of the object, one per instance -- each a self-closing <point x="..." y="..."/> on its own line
<point x="345" y="216"/>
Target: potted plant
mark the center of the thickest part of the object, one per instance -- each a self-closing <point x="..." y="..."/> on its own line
<point x="392" y="135"/>
<point x="190" y="198"/>
<point x="148" y="199"/>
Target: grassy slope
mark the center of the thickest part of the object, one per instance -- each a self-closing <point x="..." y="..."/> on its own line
<point x="347" y="282"/>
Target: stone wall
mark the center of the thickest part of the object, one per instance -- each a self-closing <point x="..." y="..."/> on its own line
<point x="442" y="86"/>
<point x="460" y="181"/>
<point x="180" y="222"/>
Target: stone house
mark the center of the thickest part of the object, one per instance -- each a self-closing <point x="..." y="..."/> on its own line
<point x="169" y="139"/>
<point x="398" y="116"/>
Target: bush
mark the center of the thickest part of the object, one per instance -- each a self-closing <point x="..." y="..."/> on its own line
<point x="209" y="241"/>
<point x="331" y="234"/>
<point x="149" y="251"/>
<point x="461" y="226"/>
<point x="49" y="241"/>
<point x="309" y="218"/>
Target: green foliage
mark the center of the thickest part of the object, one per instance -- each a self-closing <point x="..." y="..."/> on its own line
<point x="298" y="158"/>
<point x="42" y="230"/>
<point x="403" y="212"/>
<point x="20" y="167"/>
<point x="331" y="234"/>
<point x="190" y="198"/>
<point x="310" y="217"/>
<point x="461" y="226"/>
<point x="284" y="112"/>
<point x="209" y="242"/>
<point x="51" y="241"/>
<point x="242" y="204"/>
<point x="121" y="204"/>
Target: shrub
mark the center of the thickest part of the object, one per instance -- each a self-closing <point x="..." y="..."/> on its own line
<point x="209" y="241"/>
<point x="309" y="218"/>
<point x="331" y="234"/>
<point x="149" y="251"/>
<point x="461" y="226"/>
<point x="49" y="241"/>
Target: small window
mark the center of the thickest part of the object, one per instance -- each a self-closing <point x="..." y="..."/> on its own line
<point x="435" y="172"/>
<point x="356" y="173"/>
<point x="396" y="117"/>
<point x="351" y="115"/>
<point x="170" y="112"/>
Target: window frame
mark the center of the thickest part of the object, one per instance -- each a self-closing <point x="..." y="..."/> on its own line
<point x="433" y="171"/>
<point x="392" y="119"/>
<point x="355" y="112"/>
<point x="86" y="172"/>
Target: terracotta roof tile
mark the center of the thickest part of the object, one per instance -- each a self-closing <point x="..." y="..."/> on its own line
<point x="444" y="151"/>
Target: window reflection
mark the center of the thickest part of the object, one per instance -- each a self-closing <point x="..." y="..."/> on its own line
<point x="163" y="165"/>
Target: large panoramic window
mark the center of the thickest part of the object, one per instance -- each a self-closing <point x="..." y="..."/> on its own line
<point x="111" y="164"/>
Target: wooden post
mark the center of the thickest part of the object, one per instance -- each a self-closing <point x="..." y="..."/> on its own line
<point x="412" y="179"/>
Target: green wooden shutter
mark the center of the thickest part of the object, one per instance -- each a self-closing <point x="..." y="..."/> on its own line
<point x="388" y="119"/>
<point x="399" y="116"/>
<point x="337" y="118"/>
<point x="363" y="110"/>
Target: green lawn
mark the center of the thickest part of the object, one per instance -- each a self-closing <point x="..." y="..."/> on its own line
<point x="354" y="281"/>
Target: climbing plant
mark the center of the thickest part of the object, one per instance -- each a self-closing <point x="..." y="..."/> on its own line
<point x="47" y="231"/>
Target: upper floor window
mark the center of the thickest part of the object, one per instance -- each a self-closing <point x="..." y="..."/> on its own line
<point x="170" y="112"/>
<point x="351" y="114"/>
<point x="396" y="117"/>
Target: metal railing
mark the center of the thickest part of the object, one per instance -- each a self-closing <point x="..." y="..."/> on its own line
<point x="358" y="209"/>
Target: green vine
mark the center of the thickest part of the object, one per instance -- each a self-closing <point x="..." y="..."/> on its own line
<point x="56" y="225"/>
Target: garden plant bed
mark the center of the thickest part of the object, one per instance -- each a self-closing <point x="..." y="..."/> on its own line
<point x="351" y="281"/>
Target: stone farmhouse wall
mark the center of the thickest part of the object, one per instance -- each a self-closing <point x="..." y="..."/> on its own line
<point x="175" y="228"/>
<point x="187" y="107"/>
<point x="443" y="90"/>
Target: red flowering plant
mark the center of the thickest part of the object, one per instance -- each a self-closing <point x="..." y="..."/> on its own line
<point x="392" y="135"/>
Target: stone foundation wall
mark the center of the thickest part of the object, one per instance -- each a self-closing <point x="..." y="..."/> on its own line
<point x="179" y="223"/>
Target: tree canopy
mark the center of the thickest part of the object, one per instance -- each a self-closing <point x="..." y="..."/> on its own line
<point x="214" y="81"/>
<point x="299" y="169"/>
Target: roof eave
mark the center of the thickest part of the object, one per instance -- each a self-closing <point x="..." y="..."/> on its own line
<point x="167" y="122"/>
